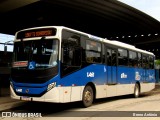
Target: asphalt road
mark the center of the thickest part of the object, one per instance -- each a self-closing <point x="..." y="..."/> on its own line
<point x="147" y="106"/>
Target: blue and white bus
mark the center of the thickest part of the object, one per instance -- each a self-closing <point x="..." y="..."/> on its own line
<point x="58" y="64"/>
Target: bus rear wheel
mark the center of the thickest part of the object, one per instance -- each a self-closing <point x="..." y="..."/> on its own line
<point x="87" y="98"/>
<point x="136" y="91"/>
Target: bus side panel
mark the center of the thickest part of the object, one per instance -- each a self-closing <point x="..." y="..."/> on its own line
<point x="65" y="94"/>
<point x="52" y="96"/>
<point x="149" y="81"/>
<point x="126" y="75"/>
<point x="150" y="74"/>
<point x="111" y="90"/>
<point x="124" y="89"/>
<point x="95" y="73"/>
<point x="125" y="80"/>
<point x="101" y="91"/>
<point x="74" y="93"/>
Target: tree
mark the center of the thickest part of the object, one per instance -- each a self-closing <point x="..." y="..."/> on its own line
<point x="157" y="62"/>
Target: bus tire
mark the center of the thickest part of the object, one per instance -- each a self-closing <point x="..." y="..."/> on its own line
<point x="88" y="96"/>
<point x="136" y="91"/>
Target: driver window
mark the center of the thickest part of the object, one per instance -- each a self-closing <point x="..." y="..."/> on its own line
<point x="71" y="52"/>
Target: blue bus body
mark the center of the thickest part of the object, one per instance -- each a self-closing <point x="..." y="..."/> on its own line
<point x="97" y="74"/>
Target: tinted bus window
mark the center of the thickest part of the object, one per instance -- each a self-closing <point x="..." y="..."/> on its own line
<point x="103" y="54"/>
<point x="151" y="62"/>
<point x="132" y="59"/>
<point x="139" y="60"/>
<point x="93" y="52"/>
<point x="71" y="52"/>
<point x="123" y="57"/>
<point x="145" y="62"/>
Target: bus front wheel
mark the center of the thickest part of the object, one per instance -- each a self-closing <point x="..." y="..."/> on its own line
<point x="87" y="98"/>
<point x="136" y="91"/>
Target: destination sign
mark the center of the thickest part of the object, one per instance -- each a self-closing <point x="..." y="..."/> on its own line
<point x="36" y="33"/>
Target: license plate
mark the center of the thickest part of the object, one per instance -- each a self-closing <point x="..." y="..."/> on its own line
<point x="26" y="98"/>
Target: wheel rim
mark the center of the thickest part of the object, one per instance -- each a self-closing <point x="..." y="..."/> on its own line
<point x="87" y="96"/>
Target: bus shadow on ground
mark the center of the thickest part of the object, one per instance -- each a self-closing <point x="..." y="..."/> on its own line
<point x="46" y="108"/>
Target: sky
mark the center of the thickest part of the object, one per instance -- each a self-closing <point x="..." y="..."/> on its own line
<point x="4" y="38"/>
<point x="150" y="7"/>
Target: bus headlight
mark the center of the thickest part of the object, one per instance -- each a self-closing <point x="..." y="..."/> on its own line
<point x="50" y="86"/>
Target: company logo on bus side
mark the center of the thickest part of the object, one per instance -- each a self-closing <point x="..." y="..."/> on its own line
<point x="123" y="75"/>
<point x="90" y="74"/>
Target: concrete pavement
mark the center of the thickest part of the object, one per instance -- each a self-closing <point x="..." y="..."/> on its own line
<point x="8" y="103"/>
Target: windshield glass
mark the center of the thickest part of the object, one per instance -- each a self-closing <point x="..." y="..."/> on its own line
<point x="35" y="54"/>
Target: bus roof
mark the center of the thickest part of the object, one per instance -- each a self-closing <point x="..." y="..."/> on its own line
<point x="127" y="46"/>
<point x="111" y="42"/>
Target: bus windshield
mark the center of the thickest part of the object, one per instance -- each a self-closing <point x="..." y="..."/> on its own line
<point x="35" y="54"/>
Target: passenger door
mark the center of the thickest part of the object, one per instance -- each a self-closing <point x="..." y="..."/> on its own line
<point x="111" y="66"/>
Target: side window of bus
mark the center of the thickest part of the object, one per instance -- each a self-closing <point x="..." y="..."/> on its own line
<point x="145" y="62"/>
<point x="122" y="57"/>
<point x="139" y="60"/>
<point x="93" y="52"/>
<point x="83" y="45"/>
<point x="132" y="59"/>
<point x="151" y="62"/>
<point x="71" y="52"/>
<point x="103" y="54"/>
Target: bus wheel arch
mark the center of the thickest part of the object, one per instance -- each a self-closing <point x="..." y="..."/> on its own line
<point x="88" y="95"/>
<point x="137" y="90"/>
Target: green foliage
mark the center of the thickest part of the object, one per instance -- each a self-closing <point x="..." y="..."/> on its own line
<point x="157" y="62"/>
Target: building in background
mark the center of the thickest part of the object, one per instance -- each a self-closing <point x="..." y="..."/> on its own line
<point x="5" y="62"/>
<point x="5" y="38"/>
<point x="5" y="57"/>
